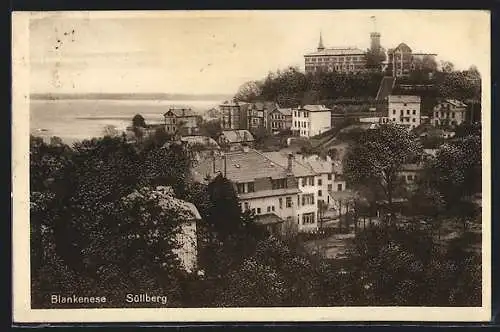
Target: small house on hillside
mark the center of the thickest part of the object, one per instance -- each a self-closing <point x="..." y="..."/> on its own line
<point x="235" y="139"/>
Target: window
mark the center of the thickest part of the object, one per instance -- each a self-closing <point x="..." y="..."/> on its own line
<point x="295" y="124"/>
<point x="407" y="112"/>
<point x="329" y="187"/>
<point x="308" y="199"/>
<point x="268" y="209"/>
<point x="253" y="210"/>
<point x="308" y="218"/>
<point x="329" y="176"/>
<point x="251" y="187"/>
<point x="320" y="193"/>
<point x="272" y="208"/>
<point x="339" y="187"/>
<point x="288" y="202"/>
<point x="247" y="206"/>
<point x="311" y="180"/>
<point x="453" y="114"/>
<point x="281" y="202"/>
<point x="410" y="178"/>
<point x="414" y="112"/>
<point x="401" y="112"/>
<point x="279" y="184"/>
<point x="320" y="182"/>
<point x="240" y="187"/>
<point x="304" y="182"/>
<point x="414" y="120"/>
<point x="258" y="210"/>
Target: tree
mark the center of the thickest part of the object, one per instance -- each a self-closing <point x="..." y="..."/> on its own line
<point x="274" y="275"/>
<point x="138" y="121"/>
<point x="111" y="131"/>
<point x="211" y="129"/>
<point x="378" y="156"/>
<point x="374" y="58"/>
<point x="402" y="265"/>
<point x="249" y="91"/>
<point x="92" y="230"/>
<point x="456" y="170"/>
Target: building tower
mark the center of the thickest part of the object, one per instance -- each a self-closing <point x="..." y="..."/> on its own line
<point x="375" y="36"/>
<point x="320" y="45"/>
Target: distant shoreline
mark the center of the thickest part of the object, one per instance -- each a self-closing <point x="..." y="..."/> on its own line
<point x="128" y="96"/>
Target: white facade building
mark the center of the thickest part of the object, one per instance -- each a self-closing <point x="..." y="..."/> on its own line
<point x="404" y="110"/>
<point x="311" y="120"/>
<point x="449" y="112"/>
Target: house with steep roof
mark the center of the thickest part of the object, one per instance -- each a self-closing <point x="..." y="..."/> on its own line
<point x="231" y="140"/>
<point x="449" y="112"/>
<point x="182" y="121"/>
<point x="262" y="185"/>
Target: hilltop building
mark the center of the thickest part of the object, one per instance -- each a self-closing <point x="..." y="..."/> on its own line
<point x="402" y="61"/>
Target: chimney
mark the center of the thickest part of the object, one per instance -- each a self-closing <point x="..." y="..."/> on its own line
<point x="290" y="163"/>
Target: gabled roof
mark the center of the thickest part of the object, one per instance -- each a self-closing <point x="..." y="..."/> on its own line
<point x="454" y="102"/>
<point x="402" y="47"/>
<point x="268" y="219"/>
<point x="319" y="165"/>
<point x="404" y="99"/>
<point x="338" y="51"/>
<point x="316" y="108"/>
<point x="266" y="105"/>
<point x="202" y="140"/>
<point x="284" y="111"/>
<point x="238" y="136"/>
<point x="181" y="112"/>
<point x="299" y="167"/>
<point x="241" y="166"/>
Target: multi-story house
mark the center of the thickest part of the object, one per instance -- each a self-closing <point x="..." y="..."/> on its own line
<point x="263" y="186"/>
<point x="257" y="114"/>
<point x="232" y="116"/>
<point x="182" y="121"/>
<point x="317" y="179"/>
<point x="311" y="120"/>
<point x="280" y="119"/>
<point x="404" y="110"/>
<point x="449" y="112"/>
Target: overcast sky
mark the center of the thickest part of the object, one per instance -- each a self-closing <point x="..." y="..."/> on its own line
<point x="215" y="52"/>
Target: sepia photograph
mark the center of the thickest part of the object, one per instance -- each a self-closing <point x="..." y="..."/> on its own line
<point x="251" y="165"/>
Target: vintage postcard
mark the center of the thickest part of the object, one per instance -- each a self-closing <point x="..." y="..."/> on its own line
<point x="201" y="166"/>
